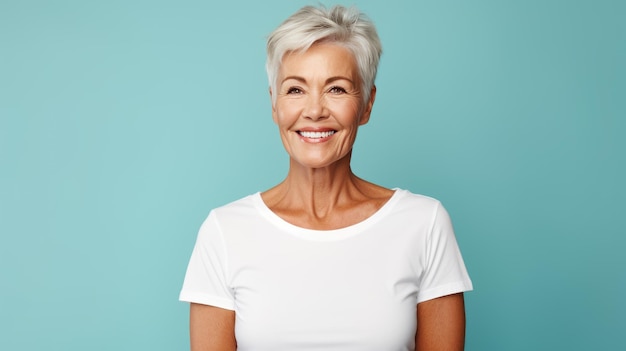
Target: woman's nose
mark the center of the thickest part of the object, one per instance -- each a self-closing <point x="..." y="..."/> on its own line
<point x="315" y="108"/>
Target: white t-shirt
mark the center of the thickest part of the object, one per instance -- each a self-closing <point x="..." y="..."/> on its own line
<point x="349" y="289"/>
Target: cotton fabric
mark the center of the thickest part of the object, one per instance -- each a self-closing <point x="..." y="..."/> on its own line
<point x="349" y="289"/>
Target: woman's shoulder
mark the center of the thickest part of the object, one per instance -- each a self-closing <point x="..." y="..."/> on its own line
<point x="245" y="209"/>
<point x="414" y="199"/>
<point x="239" y="206"/>
<point x="413" y="206"/>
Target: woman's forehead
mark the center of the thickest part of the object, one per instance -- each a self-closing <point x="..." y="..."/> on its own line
<point x="322" y="59"/>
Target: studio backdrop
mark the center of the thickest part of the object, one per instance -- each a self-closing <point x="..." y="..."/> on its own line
<point x="122" y="123"/>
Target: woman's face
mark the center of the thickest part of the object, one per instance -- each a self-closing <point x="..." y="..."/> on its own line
<point x="319" y="105"/>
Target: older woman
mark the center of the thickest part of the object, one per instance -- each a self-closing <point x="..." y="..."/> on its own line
<point x="326" y="260"/>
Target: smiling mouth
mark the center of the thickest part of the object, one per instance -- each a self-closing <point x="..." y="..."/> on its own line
<point x="316" y="135"/>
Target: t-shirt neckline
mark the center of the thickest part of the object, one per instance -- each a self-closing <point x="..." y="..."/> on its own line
<point x="331" y="234"/>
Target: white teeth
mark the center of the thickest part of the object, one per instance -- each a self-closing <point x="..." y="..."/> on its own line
<point x="317" y="135"/>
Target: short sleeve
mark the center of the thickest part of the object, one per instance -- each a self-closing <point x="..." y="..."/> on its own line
<point x="206" y="280"/>
<point x="445" y="271"/>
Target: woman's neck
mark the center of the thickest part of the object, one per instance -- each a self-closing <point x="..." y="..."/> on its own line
<point x="325" y="198"/>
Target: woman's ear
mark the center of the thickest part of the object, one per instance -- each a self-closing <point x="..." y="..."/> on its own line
<point x="365" y="117"/>
<point x="273" y="105"/>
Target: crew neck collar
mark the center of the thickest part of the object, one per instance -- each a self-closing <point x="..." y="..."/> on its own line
<point x="331" y="234"/>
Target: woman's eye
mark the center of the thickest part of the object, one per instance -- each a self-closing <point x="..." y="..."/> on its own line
<point x="337" y="90"/>
<point x="294" y="90"/>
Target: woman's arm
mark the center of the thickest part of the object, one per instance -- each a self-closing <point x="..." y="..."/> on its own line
<point x="441" y="324"/>
<point x="211" y="328"/>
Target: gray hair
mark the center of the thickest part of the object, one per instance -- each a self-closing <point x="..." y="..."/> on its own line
<point x="310" y="25"/>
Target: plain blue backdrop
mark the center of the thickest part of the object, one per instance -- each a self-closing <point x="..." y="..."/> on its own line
<point x="122" y="123"/>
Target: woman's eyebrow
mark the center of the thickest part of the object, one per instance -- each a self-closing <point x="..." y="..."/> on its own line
<point x="335" y="78"/>
<point x="329" y="80"/>
<point x="298" y="78"/>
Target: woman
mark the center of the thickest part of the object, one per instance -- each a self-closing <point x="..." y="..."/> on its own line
<point x="326" y="260"/>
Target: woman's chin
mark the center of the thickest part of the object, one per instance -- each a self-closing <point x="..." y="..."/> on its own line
<point x="321" y="161"/>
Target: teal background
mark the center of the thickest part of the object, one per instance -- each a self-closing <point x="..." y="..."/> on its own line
<point x="124" y="122"/>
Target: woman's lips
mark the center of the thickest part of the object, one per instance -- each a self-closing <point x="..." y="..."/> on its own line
<point x="315" y="136"/>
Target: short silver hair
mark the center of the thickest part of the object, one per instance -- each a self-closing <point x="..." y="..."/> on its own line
<point x="347" y="27"/>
